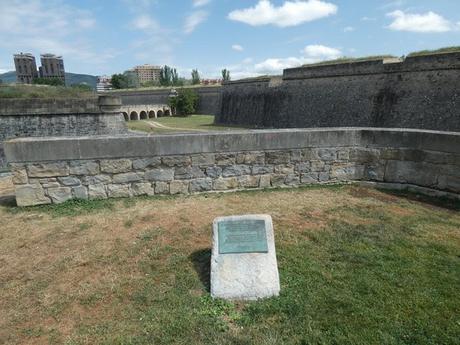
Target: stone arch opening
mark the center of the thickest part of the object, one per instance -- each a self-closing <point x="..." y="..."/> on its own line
<point x="125" y="115"/>
<point x="143" y="115"/>
<point x="167" y="112"/>
<point x="151" y="114"/>
<point x="160" y="113"/>
<point x="134" y="116"/>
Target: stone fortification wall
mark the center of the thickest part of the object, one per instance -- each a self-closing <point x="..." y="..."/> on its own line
<point x="419" y="92"/>
<point x="53" y="170"/>
<point x="55" y="117"/>
<point x="208" y="98"/>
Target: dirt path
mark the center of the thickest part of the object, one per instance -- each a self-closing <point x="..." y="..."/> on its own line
<point x="155" y="124"/>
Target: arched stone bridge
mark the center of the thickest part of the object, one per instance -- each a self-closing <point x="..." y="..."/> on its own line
<point x="145" y="111"/>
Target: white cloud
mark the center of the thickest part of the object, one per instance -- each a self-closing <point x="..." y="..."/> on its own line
<point x="310" y="54"/>
<point x="423" y="23"/>
<point x="319" y="52"/>
<point x="291" y="13"/>
<point x="368" y="19"/>
<point x="193" y="20"/>
<point x="237" y="47"/>
<point x="144" y="22"/>
<point x="199" y="3"/>
<point x="348" y="29"/>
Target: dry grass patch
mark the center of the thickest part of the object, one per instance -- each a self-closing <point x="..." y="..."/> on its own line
<point x="136" y="271"/>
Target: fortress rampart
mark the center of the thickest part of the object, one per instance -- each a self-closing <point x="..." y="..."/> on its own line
<point x="59" y="117"/>
<point x="420" y="92"/>
<point x="53" y="170"/>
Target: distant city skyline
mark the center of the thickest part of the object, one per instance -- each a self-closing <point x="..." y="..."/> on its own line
<point x="248" y="37"/>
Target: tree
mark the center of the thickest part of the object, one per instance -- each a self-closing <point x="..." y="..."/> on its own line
<point x="132" y="79"/>
<point x="185" y="103"/>
<point x="170" y="77"/>
<point x="195" y="77"/>
<point x="48" y="81"/>
<point x="226" y="74"/>
<point x="119" y="81"/>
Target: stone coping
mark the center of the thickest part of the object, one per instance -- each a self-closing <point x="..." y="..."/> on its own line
<point x="80" y="148"/>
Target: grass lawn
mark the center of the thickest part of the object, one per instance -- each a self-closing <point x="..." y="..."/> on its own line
<point x="357" y="266"/>
<point x="194" y="123"/>
<point x="43" y="91"/>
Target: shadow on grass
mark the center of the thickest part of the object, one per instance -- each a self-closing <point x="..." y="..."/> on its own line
<point x="201" y="260"/>
<point x="443" y="202"/>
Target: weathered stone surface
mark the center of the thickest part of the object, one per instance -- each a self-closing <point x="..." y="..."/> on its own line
<point x="284" y="169"/>
<point x="48" y="169"/>
<point x="225" y="158"/>
<point x="201" y="185"/>
<point x="343" y="155"/>
<point x="187" y="173"/>
<point x="265" y="181"/>
<point x="364" y="155"/>
<point x="296" y="156"/>
<point x="118" y="191"/>
<point x="19" y="174"/>
<point x="50" y="184"/>
<point x="142" y="188"/>
<point x="303" y="167"/>
<point x="179" y="161"/>
<point x="97" y="191"/>
<point x="30" y="195"/>
<point x="278" y="157"/>
<point x="80" y="192"/>
<point x="160" y="174"/>
<point x="140" y="164"/>
<point x="278" y="180"/>
<point x="262" y="169"/>
<point x="244" y="276"/>
<point x="323" y="176"/>
<point x="204" y="159"/>
<point x="347" y="172"/>
<point x="115" y="166"/>
<point x="326" y="154"/>
<point x="317" y="166"/>
<point x="69" y="181"/>
<point x="161" y="188"/>
<point x="225" y="183"/>
<point x="179" y="187"/>
<point x="250" y="158"/>
<point x="127" y="177"/>
<point x="292" y="180"/>
<point x="309" y="178"/>
<point x="60" y="194"/>
<point x="375" y="172"/>
<point x="248" y="181"/>
<point x="97" y="179"/>
<point x="214" y="172"/>
<point x="411" y="172"/>
<point x="84" y="168"/>
<point x="236" y="170"/>
<point x="450" y="183"/>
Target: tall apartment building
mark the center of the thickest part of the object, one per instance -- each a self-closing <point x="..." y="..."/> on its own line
<point x="26" y="68"/>
<point x="147" y="73"/>
<point x="52" y="66"/>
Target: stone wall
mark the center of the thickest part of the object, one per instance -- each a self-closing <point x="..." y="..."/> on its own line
<point x="55" y="117"/>
<point x="208" y="103"/>
<point x="419" y="92"/>
<point x="53" y="170"/>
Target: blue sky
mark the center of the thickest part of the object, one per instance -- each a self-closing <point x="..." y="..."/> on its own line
<point x="249" y="37"/>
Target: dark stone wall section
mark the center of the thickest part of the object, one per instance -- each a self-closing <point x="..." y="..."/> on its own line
<point x="419" y="92"/>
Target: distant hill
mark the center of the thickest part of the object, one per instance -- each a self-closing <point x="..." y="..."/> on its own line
<point x="71" y="78"/>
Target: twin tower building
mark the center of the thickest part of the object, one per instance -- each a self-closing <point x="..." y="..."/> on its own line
<point x="52" y="66"/>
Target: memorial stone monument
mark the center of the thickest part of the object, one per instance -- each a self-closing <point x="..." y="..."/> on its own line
<point x="243" y="261"/>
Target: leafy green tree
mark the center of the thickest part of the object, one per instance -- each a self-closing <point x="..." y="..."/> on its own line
<point x="226" y="74"/>
<point x="170" y="77"/>
<point x="195" y="77"/>
<point x="185" y="103"/>
<point x="48" y="81"/>
<point x="119" y="81"/>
